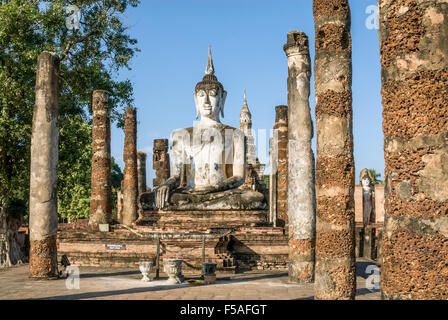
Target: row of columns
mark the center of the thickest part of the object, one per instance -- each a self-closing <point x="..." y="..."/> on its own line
<point x="414" y="63"/>
<point x="321" y="216"/>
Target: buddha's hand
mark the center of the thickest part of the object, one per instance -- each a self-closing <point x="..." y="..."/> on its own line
<point x="162" y="194"/>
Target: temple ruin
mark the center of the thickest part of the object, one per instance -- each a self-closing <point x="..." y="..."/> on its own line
<point x="210" y="203"/>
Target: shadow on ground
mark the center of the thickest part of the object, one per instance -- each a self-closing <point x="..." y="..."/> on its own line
<point x="100" y="294"/>
<point x="361" y="268"/>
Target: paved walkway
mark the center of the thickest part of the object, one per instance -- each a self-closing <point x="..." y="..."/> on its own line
<point x="122" y="284"/>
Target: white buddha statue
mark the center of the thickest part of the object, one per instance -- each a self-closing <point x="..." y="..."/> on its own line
<point x="207" y="160"/>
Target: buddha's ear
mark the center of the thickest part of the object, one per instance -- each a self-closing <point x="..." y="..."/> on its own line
<point x="223" y="101"/>
<point x="196" y="104"/>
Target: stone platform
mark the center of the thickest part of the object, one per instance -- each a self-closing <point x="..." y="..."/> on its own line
<point x="235" y="240"/>
<point x="202" y="220"/>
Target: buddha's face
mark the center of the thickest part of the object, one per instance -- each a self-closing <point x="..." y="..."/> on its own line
<point x="365" y="182"/>
<point x="209" y="102"/>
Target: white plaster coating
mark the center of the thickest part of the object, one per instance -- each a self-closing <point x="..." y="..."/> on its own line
<point x="44" y="152"/>
<point x="301" y="190"/>
<point x="331" y="137"/>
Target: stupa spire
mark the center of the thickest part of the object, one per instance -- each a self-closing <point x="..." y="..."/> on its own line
<point x="245" y="108"/>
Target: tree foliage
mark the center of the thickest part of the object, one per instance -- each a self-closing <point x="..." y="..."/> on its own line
<point x="375" y="177"/>
<point x="90" y="59"/>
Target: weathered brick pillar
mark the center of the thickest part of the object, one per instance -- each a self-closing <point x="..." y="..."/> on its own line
<point x="414" y="61"/>
<point x="130" y="182"/>
<point x="281" y="126"/>
<point x="273" y="181"/>
<point x="141" y="171"/>
<point x="101" y="190"/>
<point x="301" y="190"/>
<point x="335" y="169"/>
<point x="161" y="161"/>
<point x="43" y="171"/>
<point x="120" y="203"/>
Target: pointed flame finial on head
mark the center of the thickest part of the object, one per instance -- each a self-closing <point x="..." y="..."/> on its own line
<point x="245" y="101"/>
<point x="210" y="69"/>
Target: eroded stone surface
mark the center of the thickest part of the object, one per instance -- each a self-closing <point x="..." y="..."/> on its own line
<point x="161" y="161"/>
<point x="141" y="171"/>
<point x="281" y="165"/>
<point x="413" y="38"/>
<point x="301" y="191"/>
<point x="101" y="190"/>
<point x="130" y="182"/>
<point x="335" y="238"/>
<point x="43" y="171"/>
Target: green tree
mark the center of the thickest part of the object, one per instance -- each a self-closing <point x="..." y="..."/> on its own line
<point x="375" y="177"/>
<point x="117" y="177"/>
<point x="74" y="171"/>
<point x="91" y="57"/>
<point x="117" y="174"/>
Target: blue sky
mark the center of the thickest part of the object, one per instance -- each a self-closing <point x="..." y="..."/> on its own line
<point x="247" y="38"/>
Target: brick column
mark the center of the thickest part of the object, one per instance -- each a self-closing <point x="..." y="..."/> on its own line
<point x="414" y="62"/>
<point x="335" y="170"/>
<point x="161" y="161"/>
<point x="101" y="190"/>
<point x="301" y="191"/>
<point x="273" y="181"/>
<point x="141" y="171"/>
<point x="130" y="182"/>
<point x="43" y="171"/>
<point x="281" y="126"/>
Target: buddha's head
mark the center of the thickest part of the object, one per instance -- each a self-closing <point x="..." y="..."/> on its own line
<point x="366" y="179"/>
<point x="209" y="94"/>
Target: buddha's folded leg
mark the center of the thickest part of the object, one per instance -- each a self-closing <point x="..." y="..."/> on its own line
<point x="147" y="200"/>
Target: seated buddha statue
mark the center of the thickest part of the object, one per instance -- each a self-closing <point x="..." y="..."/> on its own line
<point x="208" y="160"/>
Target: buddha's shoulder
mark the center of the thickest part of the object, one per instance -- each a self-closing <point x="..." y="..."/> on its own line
<point x="181" y="131"/>
<point x="190" y="130"/>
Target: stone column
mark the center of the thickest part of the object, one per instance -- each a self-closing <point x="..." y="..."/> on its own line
<point x="120" y="203"/>
<point x="335" y="276"/>
<point x="414" y="61"/>
<point x="141" y="171"/>
<point x="273" y="181"/>
<point x="43" y="171"/>
<point x="130" y="181"/>
<point x="101" y="190"/>
<point x="301" y="190"/>
<point x="281" y="127"/>
<point x="161" y="161"/>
